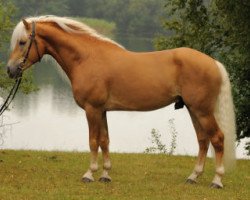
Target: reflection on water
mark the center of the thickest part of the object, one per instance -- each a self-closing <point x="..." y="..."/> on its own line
<point x="49" y="119"/>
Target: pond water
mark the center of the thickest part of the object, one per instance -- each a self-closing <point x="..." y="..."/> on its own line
<point x="49" y="119"/>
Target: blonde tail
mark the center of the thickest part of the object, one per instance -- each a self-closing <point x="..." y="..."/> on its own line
<point x="225" y="116"/>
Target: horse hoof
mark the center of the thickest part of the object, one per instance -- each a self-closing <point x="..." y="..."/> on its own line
<point x="87" y="180"/>
<point x="191" y="181"/>
<point x="104" y="180"/>
<point x="216" y="186"/>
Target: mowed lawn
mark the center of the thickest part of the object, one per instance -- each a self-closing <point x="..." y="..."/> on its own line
<point x="57" y="175"/>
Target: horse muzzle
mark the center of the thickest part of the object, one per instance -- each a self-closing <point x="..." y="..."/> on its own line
<point x="14" y="71"/>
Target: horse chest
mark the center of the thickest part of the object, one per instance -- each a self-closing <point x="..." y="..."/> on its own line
<point x="90" y="93"/>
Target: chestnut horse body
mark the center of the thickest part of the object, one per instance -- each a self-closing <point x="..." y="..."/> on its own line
<point x="105" y="77"/>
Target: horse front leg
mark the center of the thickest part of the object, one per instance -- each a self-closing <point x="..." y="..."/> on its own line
<point x="98" y="136"/>
<point x="104" y="144"/>
<point x="94" y="118"/>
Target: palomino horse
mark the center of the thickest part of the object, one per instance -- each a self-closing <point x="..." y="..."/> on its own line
<point x="105" y="77"/>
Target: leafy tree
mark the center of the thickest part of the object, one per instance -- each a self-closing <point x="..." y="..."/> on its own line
<point x="187" y="24"/>
<point x="137" y="17"/>
<point x="6" y="26"/>
<point x="234" y="22"/>
<point x="42" y="7"/>
<point x="219" y="28"/>
<point x="6" y="10"/>
<point x="146" y="24"/>
<point x="127" y="14"/>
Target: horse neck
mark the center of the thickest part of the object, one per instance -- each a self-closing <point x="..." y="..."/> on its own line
<point x="71" y="49"/>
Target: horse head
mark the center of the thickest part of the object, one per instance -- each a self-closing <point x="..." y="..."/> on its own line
<point x="26" y="48"/>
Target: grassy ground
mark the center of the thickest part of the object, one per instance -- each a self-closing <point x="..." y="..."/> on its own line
<point x="56" y="175"/>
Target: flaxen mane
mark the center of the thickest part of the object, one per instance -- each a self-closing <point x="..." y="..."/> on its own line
<point x="64" y="23"/>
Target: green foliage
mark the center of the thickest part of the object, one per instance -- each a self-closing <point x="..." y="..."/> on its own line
<point x="7" y="10"/>
<point x="28" y="84"/>
<point x="26" y="8"/>
<point x="158" y="145"/>
<point x="140" y="17"/>
<point x="219" y="28"/>
<point x="188" y="25"/>
<point x="101" y="26"/>
<point x="233" y="18"/>
<point x="36" y="175"/>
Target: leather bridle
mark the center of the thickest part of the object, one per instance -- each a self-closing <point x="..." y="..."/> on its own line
<point x="15" y="87"/>
<point x="32" y="38"/>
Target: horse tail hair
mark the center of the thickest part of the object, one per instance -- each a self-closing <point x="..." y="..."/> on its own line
<point x="225" y="117"/>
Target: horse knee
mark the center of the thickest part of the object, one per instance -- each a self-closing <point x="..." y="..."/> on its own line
<point x="104" y="143"/>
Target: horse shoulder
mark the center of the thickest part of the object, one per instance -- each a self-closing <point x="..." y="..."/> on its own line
<point x="89" y="89"/>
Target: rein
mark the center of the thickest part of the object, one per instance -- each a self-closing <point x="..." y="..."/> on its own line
<point x="11" y="95"/>
<point x="18" y="81"/>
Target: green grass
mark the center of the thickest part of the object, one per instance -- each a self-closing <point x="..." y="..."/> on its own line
<point x="56" y="175"/>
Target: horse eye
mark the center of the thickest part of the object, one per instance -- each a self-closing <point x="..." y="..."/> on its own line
<point x="22" y="43"/>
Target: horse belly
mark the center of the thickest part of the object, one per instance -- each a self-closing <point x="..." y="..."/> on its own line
<point x="141" y="94"/>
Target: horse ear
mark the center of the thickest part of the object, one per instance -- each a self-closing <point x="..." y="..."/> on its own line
<point x="26" y="24"/>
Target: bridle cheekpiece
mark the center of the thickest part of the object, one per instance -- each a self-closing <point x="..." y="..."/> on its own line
<point x="32" y="38"/>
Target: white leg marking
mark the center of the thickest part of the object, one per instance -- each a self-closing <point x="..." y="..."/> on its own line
<point x="94" y="166"/>
<point x="89" y="175"/>
<point x="106" y="168"/>
<point x="107" y="164"/>
<point x="105" y="174"/>
<point x="217" y="178"/>
<point x="196" y="173"/>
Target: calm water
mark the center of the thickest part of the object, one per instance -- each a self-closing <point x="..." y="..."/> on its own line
<point x="50" y="120"/>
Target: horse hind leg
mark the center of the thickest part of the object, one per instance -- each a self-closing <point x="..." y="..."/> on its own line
<point x="216" y="137"/>
<point x="203" y="141"/>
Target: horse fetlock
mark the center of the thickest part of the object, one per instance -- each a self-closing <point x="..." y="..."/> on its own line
<point x="198" y="170"/>
<point x="93" y="167"/>
<point x="107" y="165"/>
<point x="220" y="171"/>
<point x="198" y="173"/>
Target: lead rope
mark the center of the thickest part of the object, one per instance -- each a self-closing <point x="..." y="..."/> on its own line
<point x="11" y="95"/>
